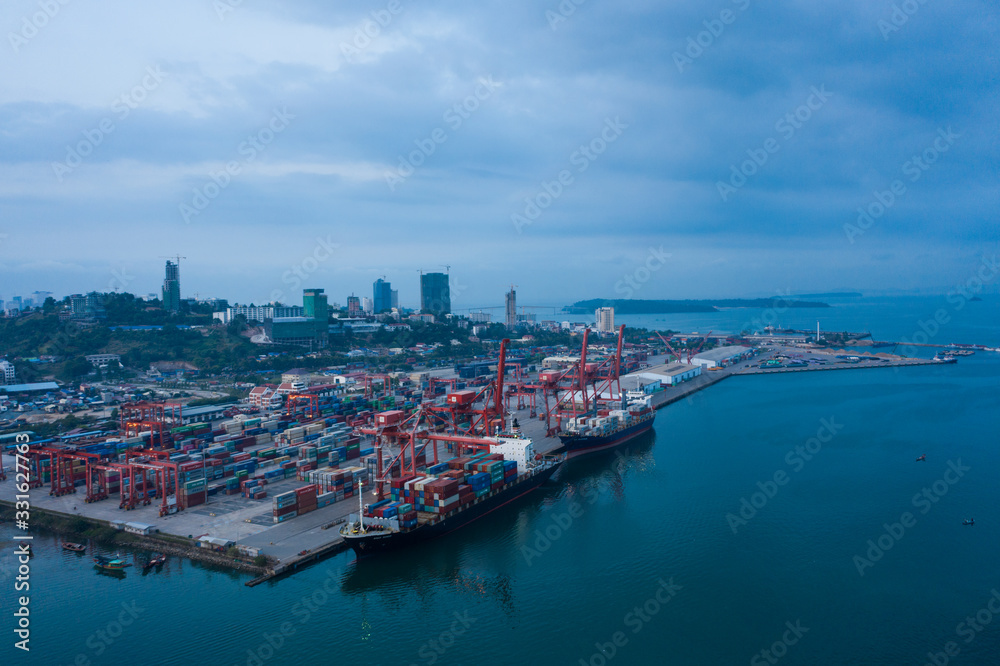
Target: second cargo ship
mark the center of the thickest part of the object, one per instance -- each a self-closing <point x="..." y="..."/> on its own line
<point x="590" y="433"/>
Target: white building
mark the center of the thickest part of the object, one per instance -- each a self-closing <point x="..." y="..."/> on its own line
<point x="675" y="373"/>
<point x="7" y="370"/>
<point x="264" y="397"/>
<point x="722" y="356"/>
<point x="605" y="318"/>
<point x="259" y="312"/>
<point x="557" y="362"/>
<point x="97" y="360"/>
<point x="139" y="528"/>
<point x="654" y="378"/>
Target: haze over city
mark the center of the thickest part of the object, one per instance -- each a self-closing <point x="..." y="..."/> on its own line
<point x="740" y="138"/>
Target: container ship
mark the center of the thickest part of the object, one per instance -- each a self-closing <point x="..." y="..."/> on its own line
<point x="588" y="434"/>
<point x="449" y="495"/>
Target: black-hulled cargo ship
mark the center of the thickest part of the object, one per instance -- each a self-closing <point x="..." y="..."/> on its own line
<point x="370" y="535"/>
<point x="588" y="434"/>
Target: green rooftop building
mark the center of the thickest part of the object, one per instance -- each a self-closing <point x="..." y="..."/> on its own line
<point x="312" y="330"/>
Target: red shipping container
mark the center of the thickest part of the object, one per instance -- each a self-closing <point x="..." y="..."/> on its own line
<point x="458" y="463"/>
<point x="193" y="499"/>
<point x="463" y="397"/>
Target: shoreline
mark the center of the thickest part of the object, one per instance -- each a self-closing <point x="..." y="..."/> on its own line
<point x="82" y="527"/>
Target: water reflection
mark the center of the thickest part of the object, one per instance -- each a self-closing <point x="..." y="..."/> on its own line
<point x="482" y="559"/>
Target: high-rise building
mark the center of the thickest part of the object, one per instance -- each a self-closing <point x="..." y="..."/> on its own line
<point x="172" y="287"/>
<point x="78" y="305"/>
<point x="7" y="374"/>
<point x="311" y="330"/>
<point x="605" y="318"/>
<point x="367" y="305"/>
<point x="86" y="307"/>
<point x="353" y="306"/>
<point x="435" y="294"/>
<point x="395" y="299"/>
<point x="511" y="308"/>
<point x="382" y="296"/>
<point x="315" y="305"/>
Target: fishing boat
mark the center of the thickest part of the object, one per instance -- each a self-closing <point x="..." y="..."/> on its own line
<point x="116" y="563"/>
<point x="74" y="547"/>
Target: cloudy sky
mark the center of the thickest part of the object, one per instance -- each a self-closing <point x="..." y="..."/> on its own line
<point x="592" y="148"/>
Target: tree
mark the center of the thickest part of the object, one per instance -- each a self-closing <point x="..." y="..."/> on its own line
<point x="237" y="325"/>
<point x="75" y="368"/>
<point x="49" y="306"/>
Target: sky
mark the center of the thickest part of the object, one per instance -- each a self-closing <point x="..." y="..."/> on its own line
<point x="575" y="149"/>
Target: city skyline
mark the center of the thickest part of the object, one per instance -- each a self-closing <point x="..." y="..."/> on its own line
<point x="739" y="155"/>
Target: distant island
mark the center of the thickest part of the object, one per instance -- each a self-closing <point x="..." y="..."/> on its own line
<point x="832" y="294"/>
<point x="637" y="306"/>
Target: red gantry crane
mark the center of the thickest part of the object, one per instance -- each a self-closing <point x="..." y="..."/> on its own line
<point x="135" y="418"/>
<point x="469" y="426"/>
<point x="581" y="389"/>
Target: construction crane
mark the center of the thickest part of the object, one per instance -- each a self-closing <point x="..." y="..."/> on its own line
<point x="669" y="348"/>
<point x="692" y="354"/>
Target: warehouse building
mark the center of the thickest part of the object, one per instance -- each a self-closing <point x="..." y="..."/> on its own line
<point x="653" y="379"/>
<point x="199" y="414"/>
<point x="675" y="373"/>
<point x="722" y="356"/>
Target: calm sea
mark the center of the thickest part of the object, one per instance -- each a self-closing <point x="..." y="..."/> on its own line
<point x="769" y="519"/>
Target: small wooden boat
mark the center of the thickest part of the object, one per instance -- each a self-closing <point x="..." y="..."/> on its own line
<point x="156" y="560"/>
<point x="75" y="547"/>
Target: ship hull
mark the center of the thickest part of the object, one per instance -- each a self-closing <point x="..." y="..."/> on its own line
<point x="576" y="445"/>
<point x="381" y="543"/>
